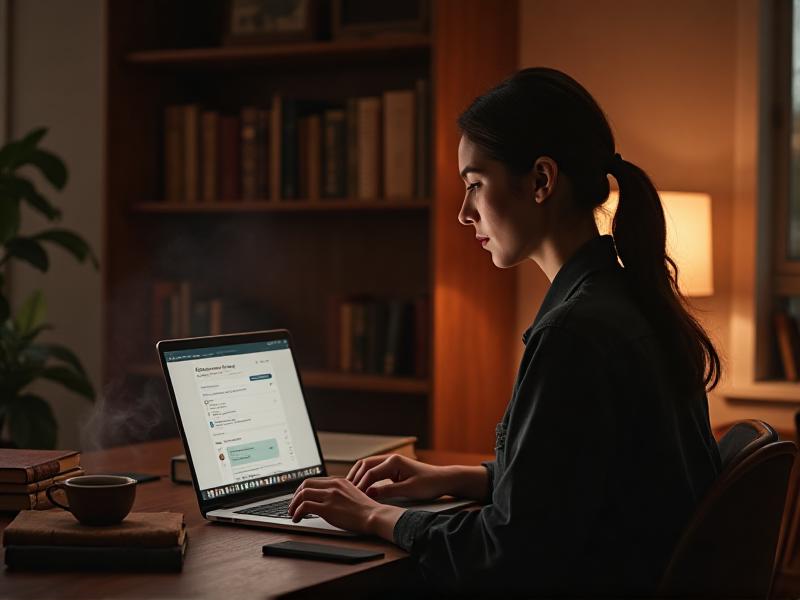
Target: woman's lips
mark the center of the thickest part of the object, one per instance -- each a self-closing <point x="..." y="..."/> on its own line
<point x="482" y="240"/>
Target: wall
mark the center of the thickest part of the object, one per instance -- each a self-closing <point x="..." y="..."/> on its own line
<point x="669" y="76"/>
<point x="57" y="81"/>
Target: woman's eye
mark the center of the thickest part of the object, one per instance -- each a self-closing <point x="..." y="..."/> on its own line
<point x="473" y="186"/>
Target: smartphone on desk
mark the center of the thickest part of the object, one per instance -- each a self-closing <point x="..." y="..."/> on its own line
<point x="327" y="552"/>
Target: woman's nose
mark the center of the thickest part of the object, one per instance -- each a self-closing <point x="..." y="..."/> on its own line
<point x="467" y="215"/>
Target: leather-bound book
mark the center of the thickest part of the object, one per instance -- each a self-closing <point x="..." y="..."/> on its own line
<point x="26" y="466"/>
<point x="54" y="540"/>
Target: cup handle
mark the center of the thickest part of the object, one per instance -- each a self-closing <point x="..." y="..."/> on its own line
<point x="49" y="493"/>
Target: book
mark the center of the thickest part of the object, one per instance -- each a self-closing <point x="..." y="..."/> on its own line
<point x="339" y="451"/>
<point x="369" y="148"/>
<point x="191" y="152"/>
<point x="314" y="156"/>
<point x="52" y="540"/>
<point x="59" y="528"/>
<point x="351" y="120"/>
<point x="210" y="156"/>
<point x="398" y="144"/>
<point x="42" y="484"/>
<point x="334" y="183"/>
<point x="89" y="558"/>
<point x="249" y="153"/>
<point x="262" y="154"/>
<point x="26" y="466"/>
<point x="289" y="167"/>
<point x="788" y="339"/>
<point x="229" y="163"/>
<point x="275" y="154"/>
<point x="33" y="501"/>
<point x="179" y="471"/>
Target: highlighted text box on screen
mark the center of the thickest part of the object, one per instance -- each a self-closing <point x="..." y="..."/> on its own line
<point x="253" y="452"/>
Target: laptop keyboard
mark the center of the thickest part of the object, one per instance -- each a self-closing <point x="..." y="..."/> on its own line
<point x="277" y="510"/>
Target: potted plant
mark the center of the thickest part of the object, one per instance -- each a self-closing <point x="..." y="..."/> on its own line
<point x="26" y="419"/>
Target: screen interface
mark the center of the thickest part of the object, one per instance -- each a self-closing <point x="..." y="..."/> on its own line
<point x="243" y="415"/>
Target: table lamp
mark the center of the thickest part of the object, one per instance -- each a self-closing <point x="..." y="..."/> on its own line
<point x="688" y="217"/>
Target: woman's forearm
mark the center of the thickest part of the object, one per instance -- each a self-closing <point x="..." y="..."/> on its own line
<point x="467" y="482"/>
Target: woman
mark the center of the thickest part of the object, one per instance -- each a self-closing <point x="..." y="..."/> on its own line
<point x="605" y="448"/>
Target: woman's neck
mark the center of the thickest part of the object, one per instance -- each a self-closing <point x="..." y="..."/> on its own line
<point x="556" y="250"/>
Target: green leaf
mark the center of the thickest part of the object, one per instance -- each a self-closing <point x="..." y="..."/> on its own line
<point x="51" y="166"/>
<point x="28" y="250"/>
<point x="31" y="422"/>
<point x="17" y="152"/>
<point x="66" y="355"/>
<point x="71" y="242"/>
<point x="9" y="219"/>
<point x="71" y="380"/>
<point x="30" y="314"/>
<point x="22" y="189"/>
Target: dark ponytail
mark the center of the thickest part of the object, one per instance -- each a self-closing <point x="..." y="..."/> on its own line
<point x="544" y="112"/>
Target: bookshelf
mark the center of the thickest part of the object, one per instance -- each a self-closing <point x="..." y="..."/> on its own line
<point x="285" y="263"/>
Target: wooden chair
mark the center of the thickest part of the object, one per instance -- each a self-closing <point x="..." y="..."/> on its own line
<point x="729" y="546"/>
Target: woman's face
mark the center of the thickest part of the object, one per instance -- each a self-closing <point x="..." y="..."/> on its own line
<point x="503" y="208"/>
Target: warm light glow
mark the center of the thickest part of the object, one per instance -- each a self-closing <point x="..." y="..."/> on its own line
<point x="688" y="217"/>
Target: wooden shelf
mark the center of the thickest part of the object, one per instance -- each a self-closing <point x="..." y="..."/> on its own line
<point x="286" y="54"/>
<point x="346" y="205"/>
<point x="768" y="391"/>
<point x="332" y="380"/>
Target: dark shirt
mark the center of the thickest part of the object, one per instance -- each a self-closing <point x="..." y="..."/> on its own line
<point x="600" y="458"/>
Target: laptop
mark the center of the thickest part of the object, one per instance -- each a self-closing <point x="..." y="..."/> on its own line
<point x="249" y="439"/>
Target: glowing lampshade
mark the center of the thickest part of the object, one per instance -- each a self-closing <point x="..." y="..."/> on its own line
<point x="688" y="217"/>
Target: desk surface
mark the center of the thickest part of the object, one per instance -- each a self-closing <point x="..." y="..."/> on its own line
<point x="221" y="560"/>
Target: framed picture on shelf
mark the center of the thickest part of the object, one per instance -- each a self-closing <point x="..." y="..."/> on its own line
<point x="368" y="18"/>
<point x="270" y="21"/>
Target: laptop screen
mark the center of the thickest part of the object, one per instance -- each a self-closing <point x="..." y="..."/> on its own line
<point x="244" y="416"/>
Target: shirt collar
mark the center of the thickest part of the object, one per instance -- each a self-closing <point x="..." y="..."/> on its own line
<point x="596" y="254"/>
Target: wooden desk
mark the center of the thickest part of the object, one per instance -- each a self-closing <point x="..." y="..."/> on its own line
<point x="222" y="561"/>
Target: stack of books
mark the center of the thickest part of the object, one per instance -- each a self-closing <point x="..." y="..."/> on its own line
<point x="54" y="540"/>
<point x="25" y="476"/>
<point x="368" y="148"/>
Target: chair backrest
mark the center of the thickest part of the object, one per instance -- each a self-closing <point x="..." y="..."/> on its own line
<point x="744" y="438"/>
<point x="728" y="548"/>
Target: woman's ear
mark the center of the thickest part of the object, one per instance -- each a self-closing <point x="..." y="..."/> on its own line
<point x="545" y="175"/>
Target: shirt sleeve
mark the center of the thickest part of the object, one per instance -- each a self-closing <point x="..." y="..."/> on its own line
<point x="554" y="461"/>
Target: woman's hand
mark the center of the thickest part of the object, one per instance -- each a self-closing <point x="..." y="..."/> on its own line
<point x="413" y="479"/>
<point x="410" y="478"/>
<point x="342" y="504"/>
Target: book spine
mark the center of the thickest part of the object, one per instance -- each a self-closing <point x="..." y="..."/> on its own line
<point x="398" y="144"/>
<point x="369" y="148"/>
<point x="334" y="185"/>
<point x="275" y="128"/>
<point x="215" y="316"/>
<point x="351" y="151"/>
<point x="43" y="471"/>
<point x="314" y="157"/>
<point x="191" y="152"/>
<point x="173" y="154"/>
<point x="262" y="154"/>
<point x="289" y="151"/>
<point x="302" y="158"/>
<point x="88" y="558"/>
<point x="230" y="165"/>
<point x="210" y="143"/>
<point x="249" y="153"/>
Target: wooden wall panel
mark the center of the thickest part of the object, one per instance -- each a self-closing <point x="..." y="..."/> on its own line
<point x="475" y="46"/>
